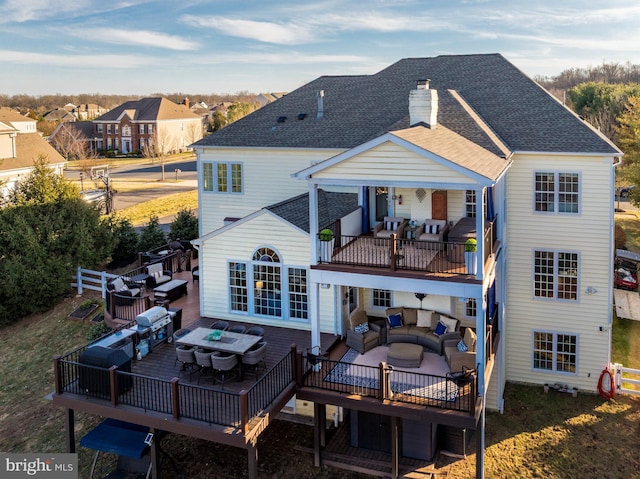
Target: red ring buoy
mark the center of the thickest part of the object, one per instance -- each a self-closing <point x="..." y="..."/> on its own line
<point x="606" y="386"/>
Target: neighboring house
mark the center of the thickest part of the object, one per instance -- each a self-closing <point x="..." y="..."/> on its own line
<point x="265" y="98"/>
<point x="59" y="115"/>
<point x="20" y="146"/>
<point x="479" y="146"/>
<point x="136" y="125"/>
<point x="74" y="139"/>
<point x="86" y="111"/>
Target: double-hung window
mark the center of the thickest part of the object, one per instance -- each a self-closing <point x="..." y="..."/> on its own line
<point x="555" y="275"/>
<point x="222" y="177"/>
<point x="557" y="352"/>
<point x="557" y="192"/>
<point x="381" y="298"/>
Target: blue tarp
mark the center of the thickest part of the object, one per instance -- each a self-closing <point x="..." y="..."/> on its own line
<point x="117" y="437"/>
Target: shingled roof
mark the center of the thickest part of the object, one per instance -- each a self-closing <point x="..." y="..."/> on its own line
<point x="148" y="109"/>
<point x="357" y="109"/>
<point x="331" y="207"/>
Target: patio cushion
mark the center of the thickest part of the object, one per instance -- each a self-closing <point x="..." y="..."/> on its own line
<point x="470" y="339"/>
<point x="395" y="320"/>
<point x="440" y="329"/>
<point x="410" y="316"/>
<point x="358" y="316"/>
<point x="361" y="328"/>
<point x="450" y="323"/>
<point x="425" y="318"/>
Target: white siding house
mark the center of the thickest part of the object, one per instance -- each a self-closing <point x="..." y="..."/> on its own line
<point x="480" y="146"/>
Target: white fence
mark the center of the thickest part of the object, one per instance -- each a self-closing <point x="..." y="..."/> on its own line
<point x="92" y="280"/>
<point x="631" y="378"/>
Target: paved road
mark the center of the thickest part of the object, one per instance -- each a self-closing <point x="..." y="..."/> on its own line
<point x="149" y="177"/>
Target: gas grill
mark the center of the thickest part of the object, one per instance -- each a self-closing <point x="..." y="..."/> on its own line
<point x="154" y="319"/>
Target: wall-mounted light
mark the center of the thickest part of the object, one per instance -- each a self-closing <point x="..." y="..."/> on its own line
<point x="325" y="285"/>
<point x="399" y="199"/>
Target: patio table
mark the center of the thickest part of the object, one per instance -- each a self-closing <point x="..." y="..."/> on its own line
<point x="235" y="343"/>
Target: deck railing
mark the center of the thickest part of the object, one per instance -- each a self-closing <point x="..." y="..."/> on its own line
<point x="271" y="385"/>
<point x="400" y="254"/>
<point x="172" y="397"/>
<point x="386" y="384"/>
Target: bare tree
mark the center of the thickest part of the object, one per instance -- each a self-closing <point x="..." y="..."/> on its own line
<point x="71" y="143"/>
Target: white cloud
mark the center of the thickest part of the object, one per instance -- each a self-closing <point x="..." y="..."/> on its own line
<point x="280" y="58"/>
<point x="73" y="61"/>
<point x="23" y="11"/>
<point x="136" y="37"/>
<point x="268" y="32"/>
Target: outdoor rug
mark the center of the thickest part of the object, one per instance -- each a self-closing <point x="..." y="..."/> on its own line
<point x="427" y="381"/>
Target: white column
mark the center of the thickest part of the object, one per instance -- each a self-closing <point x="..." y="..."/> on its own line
<point x="313" y="224"/>
<point x="314" y="316"/>
<point x="480" y="233"/>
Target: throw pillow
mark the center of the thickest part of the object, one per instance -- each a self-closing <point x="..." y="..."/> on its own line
<point x="124" y="288"/>
<point x="462" y="347"/>
<point x="440" y="329"/>
<point x="424" y="318"/>
<point x="450" y="323"/>
<point x="157" y="274"/>
<point x="361" y="328"/>
<point x="395" y="320"/>
<point x="387" y="225"/>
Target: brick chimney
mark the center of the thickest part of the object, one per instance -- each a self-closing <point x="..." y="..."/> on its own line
<point x="423" y="105"/>
<point x="186" y="102"/>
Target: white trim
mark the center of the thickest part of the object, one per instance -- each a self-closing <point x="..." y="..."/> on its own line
<point x="554" y="351"/>
<point x="568" y="153"/>
<point x="396" y="184"/>
<point x="556" y="192"/>
<point x="255" y="214"/>
<point x="555" y="252"/>
<point x="308" y="173"/>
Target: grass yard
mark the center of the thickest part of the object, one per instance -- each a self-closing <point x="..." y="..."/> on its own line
<point x="165" y="205"/>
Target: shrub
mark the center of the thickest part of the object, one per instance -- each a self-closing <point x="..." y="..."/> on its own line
<point x="127" y="239"/>
<point x="326" y="235"/>
<point x="471" y="245"/>
<point x="151" y="236"/>
<point x="98" y="330"/>
<point x="184" y="226"/>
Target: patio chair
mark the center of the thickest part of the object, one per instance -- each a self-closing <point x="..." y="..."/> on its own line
<point x="255" y="331"/>
<point x="180" y="332"/>
<point x="223" y="325"/>
<point x="238" y="328"/>
<point x="158" y="275"/>
<point x="389" y="226"/>
<point x="254" y="358"/>
<point x="224" y="365"/>
<point x="119" y="286"/>
<point x="363" y="335"/>
<point x="124" y="293"/>
<point x="195" y="274"/>
<point x="203" y="360"/>
<point x="185" y="355"/>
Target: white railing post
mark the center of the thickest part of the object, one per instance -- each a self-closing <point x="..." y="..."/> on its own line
<point x="617" y="376"/>
<point x="103" y="277"/>
<point x="79" y="280"/>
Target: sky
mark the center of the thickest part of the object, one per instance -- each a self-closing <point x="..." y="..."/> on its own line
<point x="141" y="47"/>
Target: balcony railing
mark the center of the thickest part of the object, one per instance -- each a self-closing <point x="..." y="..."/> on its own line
<point x="172" y="397"/>
<point x="399" y="254"/>
<point x="386" y="384"/>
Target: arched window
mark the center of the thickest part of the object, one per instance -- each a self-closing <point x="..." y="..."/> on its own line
<point x="268" y="283"/>
<point x="265" y="286"/>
